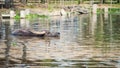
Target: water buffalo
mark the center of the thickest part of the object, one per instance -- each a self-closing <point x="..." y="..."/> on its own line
<point x="21" y="32"/>
<point x="53" y="34"/>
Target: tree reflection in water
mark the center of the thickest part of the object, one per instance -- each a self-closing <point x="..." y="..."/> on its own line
<point x="7" y="42"/>
<point x="0" y="30"/>
<point x="8" y="46"/>
<point x="24" y="52"/>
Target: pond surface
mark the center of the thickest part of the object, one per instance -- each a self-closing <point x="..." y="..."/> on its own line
<point x="86" y="41"/>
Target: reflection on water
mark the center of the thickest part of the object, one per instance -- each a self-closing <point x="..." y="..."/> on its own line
<point x="7" y="42"/>
<point x="86" y="41"/>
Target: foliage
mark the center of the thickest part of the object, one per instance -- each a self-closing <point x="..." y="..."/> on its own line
<point x="50" y="8"/>
<point x="30" y="5"/>
<point x="78" y="1"/>
<point x="48" y="60"/>
<point x="43" y="1"/>
<point x="110" y="10"/>
<point x="32" y="16"/>
<point x="17" y="16"/>
<point x="114" y="10"/>
<point x="100" y="11"/>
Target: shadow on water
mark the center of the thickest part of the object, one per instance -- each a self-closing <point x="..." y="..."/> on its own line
<point x="86" y="41"/>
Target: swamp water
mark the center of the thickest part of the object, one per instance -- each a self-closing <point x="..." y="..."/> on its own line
<point x="86" y="41"/>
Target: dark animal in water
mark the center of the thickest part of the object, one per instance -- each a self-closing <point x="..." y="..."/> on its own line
<point x="53" y="34"/>
<point x="20" y="32"/>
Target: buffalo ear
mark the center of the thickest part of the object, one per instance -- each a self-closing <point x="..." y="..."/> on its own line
<point x="47" y="32"/>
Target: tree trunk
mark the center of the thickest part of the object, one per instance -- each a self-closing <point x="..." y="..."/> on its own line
<point x="91" y="2"/>
<point x="43" y="1"/>
<point x="78" y="1"/>
<point x="12" y="4"/>
<point x="24" y="1"/>
<point x="103" y="1"/>
<point x="118" y="1"/>
<point x="7" y="3"/>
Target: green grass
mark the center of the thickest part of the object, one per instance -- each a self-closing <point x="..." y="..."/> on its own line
<point x="64" y="3"/>
<point x="17" y="16"/>
<point x="110" y="11"/>
<point x="100" y="11"/>
<point x="114" y="10"/>
<point x="33" y="16"/>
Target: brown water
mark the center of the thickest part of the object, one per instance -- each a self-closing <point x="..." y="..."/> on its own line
<point x="86" y="41"/>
